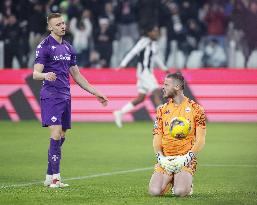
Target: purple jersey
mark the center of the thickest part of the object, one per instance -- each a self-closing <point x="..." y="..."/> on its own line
<point x="57" y="58"/>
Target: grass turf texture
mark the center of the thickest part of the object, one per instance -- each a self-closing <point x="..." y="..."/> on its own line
<point x="227" y="169"/>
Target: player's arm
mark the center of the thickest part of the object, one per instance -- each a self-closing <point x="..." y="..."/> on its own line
<point x="158" y="60"/>
<point x="39" y="75"/>
<point x="40" y="61"/>
<point x="84" y="84"/>
<point x="140" y="45"/>
<point x="164" y="161"/>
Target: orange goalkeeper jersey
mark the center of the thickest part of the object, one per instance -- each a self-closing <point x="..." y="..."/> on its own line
<point x="187" y="109"/>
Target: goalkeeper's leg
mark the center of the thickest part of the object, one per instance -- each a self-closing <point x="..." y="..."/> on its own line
<point x="182" y="183"/>
<point x="159" y="183"/>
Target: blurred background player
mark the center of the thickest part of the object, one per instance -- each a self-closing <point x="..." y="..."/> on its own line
<point x="147" y="50"/>
<point x="180" y="170"/>
<point x="55" y="60"/>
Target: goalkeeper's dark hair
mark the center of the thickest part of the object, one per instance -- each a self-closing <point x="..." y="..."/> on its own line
<point x="52" y="16"/>
<point x="178" y="77"/>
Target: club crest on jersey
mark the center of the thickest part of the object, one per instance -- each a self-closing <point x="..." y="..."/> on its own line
<point x="166" y="124"/>
<point x="53" y="119"/>
<point x="188" y="109"/>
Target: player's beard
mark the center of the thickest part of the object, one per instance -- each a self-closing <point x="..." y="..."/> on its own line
<point x="169" y="94"/>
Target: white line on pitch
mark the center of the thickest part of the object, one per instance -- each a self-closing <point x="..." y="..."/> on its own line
<point x="82" y="177"/>
<point x="122" y="172"/>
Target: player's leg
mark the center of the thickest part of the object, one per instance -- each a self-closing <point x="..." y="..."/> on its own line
<point x="65" y="125"/>
<point x="51" y="111"/>
<point x="127" y="108"/>
<point x="182" y="183"/>
<point x="49" y="175"/>
<point x="159" y="184"/>
<point x="153" y="86"/>
<point x="142" y="90"/>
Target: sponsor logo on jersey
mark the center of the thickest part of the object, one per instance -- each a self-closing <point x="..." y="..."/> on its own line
<point x="53" y="47"/>
<point x="188" y="109"/>
<point x="167" y="112"/>
<point x="66" y="57"/>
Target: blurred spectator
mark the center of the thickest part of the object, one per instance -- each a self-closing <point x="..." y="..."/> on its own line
<point x="104" y="36"/>
<point x="216" y="23"/>
<point x="125" y="14"/>
<point x="96" y="7"/>
<point x="81" y="31"/>
<point x="11" y="35"/>
<point x="109" y="13"/>
<point x="95" y="61"/>
<point x="74" y="9"/>
<point x="250" y="27"/>
<point x="186" y="23"/>
<point x="175" y="27"/>
<point x="214" y="55"/>
<point x="148" y="13"/>
<point x="194" y="32"/>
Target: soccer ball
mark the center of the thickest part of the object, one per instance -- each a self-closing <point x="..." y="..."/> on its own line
<point x="179" y="127"/>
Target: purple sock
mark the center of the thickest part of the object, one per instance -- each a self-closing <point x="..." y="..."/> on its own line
<point x="62" y="140"/>
<point x="49" y="167"/>
<point x="54" y="156"/>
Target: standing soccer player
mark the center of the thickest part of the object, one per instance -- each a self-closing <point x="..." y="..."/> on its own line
<point x="176" y="157"/>
<point x="147" y="50"/>
<point x="55" y="60"/>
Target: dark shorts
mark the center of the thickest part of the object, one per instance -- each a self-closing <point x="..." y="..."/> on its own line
<point x="56" y="112"/>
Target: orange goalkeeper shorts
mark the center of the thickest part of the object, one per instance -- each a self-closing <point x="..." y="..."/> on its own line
<point x="191" y="168"/>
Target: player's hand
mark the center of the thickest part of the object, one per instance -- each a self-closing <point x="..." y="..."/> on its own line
<point x="102" y="99"/>
<point x="166" y="163"/>
<point x="183" y="160"/>
<point x="50" y="76"/>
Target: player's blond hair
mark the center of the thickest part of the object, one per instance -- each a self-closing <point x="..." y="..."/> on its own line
<point x="52" y="16"/>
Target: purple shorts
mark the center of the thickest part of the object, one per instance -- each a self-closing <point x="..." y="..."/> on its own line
<point x="56" y="112"/>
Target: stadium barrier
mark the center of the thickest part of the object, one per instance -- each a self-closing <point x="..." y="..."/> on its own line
<point x="226" y="94"/>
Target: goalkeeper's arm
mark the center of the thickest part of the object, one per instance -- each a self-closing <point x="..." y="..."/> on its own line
<point x="165" y="162"/>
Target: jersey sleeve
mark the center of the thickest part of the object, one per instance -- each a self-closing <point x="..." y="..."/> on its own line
<point x="140" y="45"/>
<point x="73" y="61"/>
<point x="200" y="117"/>
<point x="41" y="54"/>
<point x="158" y="123"/>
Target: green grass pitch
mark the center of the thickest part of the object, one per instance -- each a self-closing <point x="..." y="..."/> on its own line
<point x="107" y="165"/>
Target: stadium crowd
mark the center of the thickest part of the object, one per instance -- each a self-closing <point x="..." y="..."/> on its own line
<point x="102" y="31"/>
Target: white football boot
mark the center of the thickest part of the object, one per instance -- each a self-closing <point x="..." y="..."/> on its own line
<point x="56" y="183"/>
<point x="48" y="180"/>
<point x="118" y="118"/>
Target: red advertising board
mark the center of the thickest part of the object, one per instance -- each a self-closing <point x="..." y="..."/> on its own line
<point x="226" y="94"/>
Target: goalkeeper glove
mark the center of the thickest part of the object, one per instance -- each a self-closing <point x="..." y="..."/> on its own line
<point x="183" y="160"/>
<point x="166" y="162"/>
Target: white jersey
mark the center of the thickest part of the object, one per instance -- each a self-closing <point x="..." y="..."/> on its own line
<point x="147" y="51"/>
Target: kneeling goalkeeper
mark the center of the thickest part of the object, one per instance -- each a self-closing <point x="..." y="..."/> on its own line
<point x="176" y="157"/>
